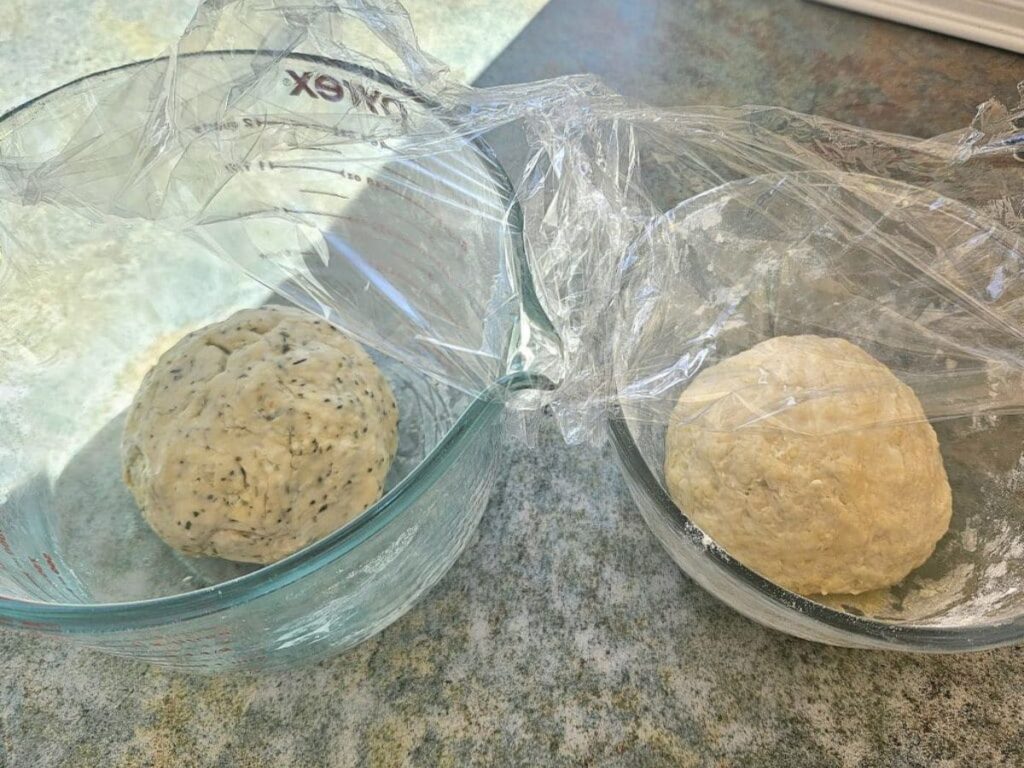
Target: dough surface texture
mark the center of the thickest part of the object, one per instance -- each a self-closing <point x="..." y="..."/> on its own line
<point x="255" y="436"/>
<point x="809" y="462"/>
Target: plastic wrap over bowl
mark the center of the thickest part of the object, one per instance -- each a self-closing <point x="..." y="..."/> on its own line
<point x="355" y="231"/>
<point x="926" y="285"/>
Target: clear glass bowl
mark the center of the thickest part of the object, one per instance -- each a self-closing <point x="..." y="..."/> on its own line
<point x="880" y="263"/>
<point x="91" y="305"/>
<point x="101" y="297"/>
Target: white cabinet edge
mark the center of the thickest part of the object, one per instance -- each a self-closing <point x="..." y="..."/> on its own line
<point x="999" y="23"/>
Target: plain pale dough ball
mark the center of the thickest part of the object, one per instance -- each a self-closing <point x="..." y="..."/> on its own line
<point x="255" y="436"/>
<point x="808" y="461"/>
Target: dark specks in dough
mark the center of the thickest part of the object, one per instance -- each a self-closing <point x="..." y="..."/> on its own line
<point x="321" y="416"/>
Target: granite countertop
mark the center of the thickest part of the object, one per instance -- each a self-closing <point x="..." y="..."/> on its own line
<point x="564" y="635"/>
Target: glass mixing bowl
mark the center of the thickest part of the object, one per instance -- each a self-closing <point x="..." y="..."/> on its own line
<point x="89" y="302"/>
<point x="923" y="283"/>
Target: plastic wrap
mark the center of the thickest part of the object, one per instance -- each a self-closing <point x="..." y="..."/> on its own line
<point x="728" y="226"/>
<point x="925" y="284"/>
<point x="612" y="249"/>
<point x="286" y="157"/>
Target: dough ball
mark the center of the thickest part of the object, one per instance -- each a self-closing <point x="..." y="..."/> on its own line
<point x="255" y="436"/>
<point x="808" y="461"/>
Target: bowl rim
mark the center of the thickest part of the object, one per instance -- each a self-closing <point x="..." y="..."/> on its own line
<point x="156" y="611"/>
<point x="908" y="636"/>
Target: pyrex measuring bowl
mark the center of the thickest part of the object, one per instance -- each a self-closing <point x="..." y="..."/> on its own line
<point x="388" y="246"/>
<point x="924" y="283"/>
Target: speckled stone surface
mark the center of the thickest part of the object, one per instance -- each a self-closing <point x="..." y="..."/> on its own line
<point x="565" y="635"/>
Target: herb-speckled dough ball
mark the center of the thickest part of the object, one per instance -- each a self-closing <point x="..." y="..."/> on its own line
<point x="255" y="436"/>
<point x="807" y="460"/>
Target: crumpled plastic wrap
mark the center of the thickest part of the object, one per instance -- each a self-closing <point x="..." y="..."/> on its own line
<point x="613" y="248"/>
<point x="908" y="248"/>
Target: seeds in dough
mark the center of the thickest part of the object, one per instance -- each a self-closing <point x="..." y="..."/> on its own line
<point x="255" y="436"/>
